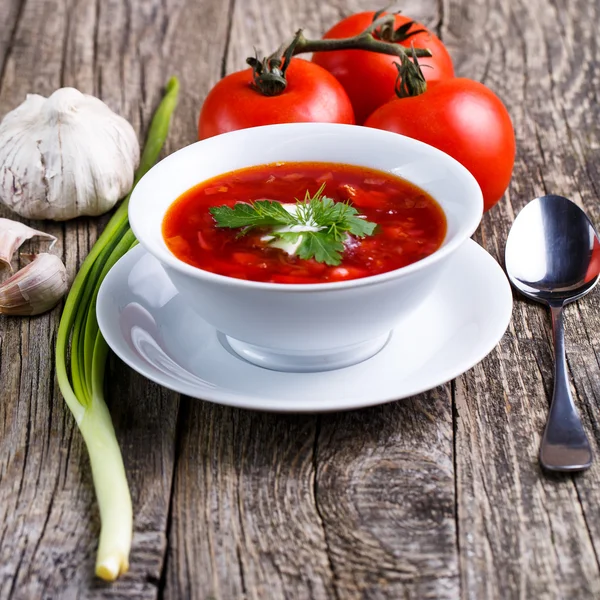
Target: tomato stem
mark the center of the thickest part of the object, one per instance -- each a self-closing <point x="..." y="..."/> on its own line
<point x="389" y="33"/>
<point x="269" y="73"/>
<point x="410" y="81"/>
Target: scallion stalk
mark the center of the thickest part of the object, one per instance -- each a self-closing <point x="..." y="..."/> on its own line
<point x="84" y="390"/>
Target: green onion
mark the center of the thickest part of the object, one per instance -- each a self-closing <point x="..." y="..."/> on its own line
<point x="84" y="390"/>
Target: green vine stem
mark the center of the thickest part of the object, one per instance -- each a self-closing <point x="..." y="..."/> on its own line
<point x="410" y="81"/>
<point x="380" y="36"/>
<point x="389" y="33"/>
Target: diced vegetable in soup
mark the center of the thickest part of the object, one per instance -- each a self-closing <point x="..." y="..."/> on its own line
<point x="303" y="223"/>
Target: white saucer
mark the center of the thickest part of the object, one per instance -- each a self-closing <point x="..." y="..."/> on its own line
<point x="146" y="323"/>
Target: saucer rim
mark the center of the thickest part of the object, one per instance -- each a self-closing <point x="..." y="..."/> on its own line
<point x="231" y="398"/>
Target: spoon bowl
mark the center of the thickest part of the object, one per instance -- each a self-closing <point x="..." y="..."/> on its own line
<point x="553" y="256"/>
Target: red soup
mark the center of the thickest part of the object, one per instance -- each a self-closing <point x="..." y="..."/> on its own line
<point x="394" y="223"/>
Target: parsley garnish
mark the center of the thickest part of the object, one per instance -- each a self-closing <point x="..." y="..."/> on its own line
<point x="316" y="228"/>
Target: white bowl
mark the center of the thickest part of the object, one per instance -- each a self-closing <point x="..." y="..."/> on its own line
<point x="307" y="327"/>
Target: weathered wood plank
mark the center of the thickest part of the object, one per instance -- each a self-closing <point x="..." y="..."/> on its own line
<point x="385" y="493"/>
<point x="244" y="520"/>
<point x="264" y="503"/>
<point x="48" y="518"/>
<point x="524" y="534"/>
<point x="9" y="17"/>
<point x="384" y="482"/>
<point x="356" y="505"/>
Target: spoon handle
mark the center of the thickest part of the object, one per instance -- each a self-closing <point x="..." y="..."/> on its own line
<point x="565" y="446"/>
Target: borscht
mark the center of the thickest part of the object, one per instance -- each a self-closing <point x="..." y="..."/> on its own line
<point x="303" y="222"/>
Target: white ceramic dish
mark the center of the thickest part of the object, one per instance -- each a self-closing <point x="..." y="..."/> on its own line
<point x="318" y="326"/>
<point x="150" y="327"/>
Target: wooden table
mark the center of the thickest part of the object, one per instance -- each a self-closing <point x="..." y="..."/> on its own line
<point x="439" y="496"/>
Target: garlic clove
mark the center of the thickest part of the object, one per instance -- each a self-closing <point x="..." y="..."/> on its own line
<point x="35" y="288"/>
<point x="12" y="236"/>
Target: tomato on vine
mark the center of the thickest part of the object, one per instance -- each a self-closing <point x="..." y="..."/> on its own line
<point x="369" y="77"/>
<point x="283" y="89"/>
<point x="311" y="94"/>
<point x="460" y="116"/>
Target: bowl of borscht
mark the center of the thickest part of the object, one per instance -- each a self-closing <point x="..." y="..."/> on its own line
<point x="307" y="244"/>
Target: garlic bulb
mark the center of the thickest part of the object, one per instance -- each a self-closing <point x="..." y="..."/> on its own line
<point x="13" y="234"/>
<point x="36" y="288"/>
<point x="65" y="156"/>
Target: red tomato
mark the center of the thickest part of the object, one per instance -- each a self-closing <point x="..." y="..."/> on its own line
<point x="464" y="119"/>
<point x="369" y="77"/>
<point x="312" y="95"/>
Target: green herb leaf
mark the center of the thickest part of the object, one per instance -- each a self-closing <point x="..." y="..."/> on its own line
<point x="359" y="227"/>
<point x="321" y="246"/>
<point x="328" y="224"/>
<point x="262" y="213"/>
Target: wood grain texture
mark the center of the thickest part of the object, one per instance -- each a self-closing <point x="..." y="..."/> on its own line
<point x="524" y="534"/>
<point x="263" y="503"/>
<point x="48" y="517"/>
<point x="439" y="496"/>
<point x="244" y="522"/>
<point x="385" y="492"/>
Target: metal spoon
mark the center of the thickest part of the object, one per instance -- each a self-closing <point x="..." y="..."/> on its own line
<point x="553" y="256"/>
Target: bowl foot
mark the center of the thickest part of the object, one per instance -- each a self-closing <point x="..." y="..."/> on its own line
<point x="307" y="361"/>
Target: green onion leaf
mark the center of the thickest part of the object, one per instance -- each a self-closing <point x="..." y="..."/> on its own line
<point x="84" y="391"/>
